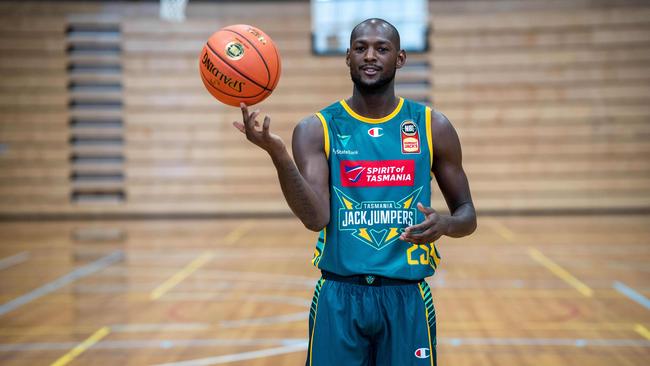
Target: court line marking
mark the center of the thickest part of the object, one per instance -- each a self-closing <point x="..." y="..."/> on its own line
<point x="193" y="327"/>
<point x="632" y="294"/>
<point x="539" y="257"/>
<point x="543" y="342"/>
<point x="191" y="343"/>
<point x="539" y="326"/>
<point x="238" y="232"/>
<point x="82" y="347"/>
<point x="197" y="263"/>
<point x="643" y="331"/>
<point x="151" y="344"/>
<point x="179" y="276"/>
<point x="13" y="260"/>
<point x="115" y="328"/>
<point x="60" y="282"/>
<point x="159" y="327"/>
<point x="241" y="356"/>
<point x="267" y="320"/>
<point x="560" y="272"/>
<point x="502" y="230"/>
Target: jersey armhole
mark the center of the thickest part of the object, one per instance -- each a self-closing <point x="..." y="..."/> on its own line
<point x="326" y="135"/>
<point x="427" y="111"/>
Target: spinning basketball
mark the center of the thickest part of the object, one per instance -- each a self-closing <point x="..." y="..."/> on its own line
<point x="239" y="63"/>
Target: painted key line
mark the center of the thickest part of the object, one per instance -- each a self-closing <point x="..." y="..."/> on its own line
<point x="62" y="281"/>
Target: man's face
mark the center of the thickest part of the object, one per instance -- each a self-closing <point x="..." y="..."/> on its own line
<point x="373" y="58"/>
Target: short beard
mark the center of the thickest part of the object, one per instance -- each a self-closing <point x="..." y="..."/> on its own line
<point x="375" y="88"/>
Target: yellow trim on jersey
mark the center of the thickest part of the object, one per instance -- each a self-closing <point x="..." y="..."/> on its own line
<point x="372" y="120"/>
<point x="434" y="254"/>
<point x="319" y="254"/>
<point x="429" y="137"/>
<point x="426" y="313"/>
<point x="311" y="340"/>
<point x="326" y="135"/>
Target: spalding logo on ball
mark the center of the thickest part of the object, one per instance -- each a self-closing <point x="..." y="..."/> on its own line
<point x="240" y="63"/>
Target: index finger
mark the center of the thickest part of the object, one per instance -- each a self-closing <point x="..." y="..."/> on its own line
<point x="244" y="111"/>
<point x="418" y="227"/>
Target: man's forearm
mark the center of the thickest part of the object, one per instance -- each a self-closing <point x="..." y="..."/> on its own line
<point x="312" y="210"/>
<point x="462" y="221"/>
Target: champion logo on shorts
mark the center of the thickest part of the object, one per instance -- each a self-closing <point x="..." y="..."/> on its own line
<point x="422" y="353"/>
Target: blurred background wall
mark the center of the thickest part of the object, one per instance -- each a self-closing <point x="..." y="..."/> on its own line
<point x="102" y="111"/>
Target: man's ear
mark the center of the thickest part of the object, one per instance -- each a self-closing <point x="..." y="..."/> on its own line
<point x="401" y="59"/>
<point x="347" y="57"/>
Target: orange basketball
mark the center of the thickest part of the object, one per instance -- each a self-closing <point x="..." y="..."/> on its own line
<point x="240" y="63"/>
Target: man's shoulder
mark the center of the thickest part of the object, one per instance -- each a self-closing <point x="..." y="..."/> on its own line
<point x="332" y="108"/>
<point x="316" y="117"/>
<point x="310" y="120"/>
<point x="438" y="119"/>
<point x="416" y="108"/>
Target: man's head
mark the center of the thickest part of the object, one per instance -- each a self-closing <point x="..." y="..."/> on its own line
<point x="374" y="54"/>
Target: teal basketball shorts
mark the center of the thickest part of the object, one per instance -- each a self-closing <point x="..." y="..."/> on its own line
<point x="371" y="321"/>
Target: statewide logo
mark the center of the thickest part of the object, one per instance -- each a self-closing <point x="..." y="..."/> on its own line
<point x="376" y="132"/>
<point x="344" y="139"/>
<point x="234" y="50"/>
<point x="376" y="223"/>
<point x="377" y="173"/>
<point x="422" y="353"/>
<point x="410" y="137"/>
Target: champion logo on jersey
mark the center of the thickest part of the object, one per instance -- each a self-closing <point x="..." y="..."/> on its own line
<point x="376" y="132"/>
<point x="422" y="353"/>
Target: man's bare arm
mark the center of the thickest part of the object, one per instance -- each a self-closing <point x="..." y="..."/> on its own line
<point x="305" y="182"/>
<point x="448" y="169"/>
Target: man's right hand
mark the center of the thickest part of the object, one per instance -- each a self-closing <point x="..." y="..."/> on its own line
<point x="264" y="138"/>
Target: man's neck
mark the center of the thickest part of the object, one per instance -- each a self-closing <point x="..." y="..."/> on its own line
<point x="374" y="105"/>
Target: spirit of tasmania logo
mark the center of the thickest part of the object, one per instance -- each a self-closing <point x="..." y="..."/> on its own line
<point x="376" y="223"/>
<point x="380" y="173"/>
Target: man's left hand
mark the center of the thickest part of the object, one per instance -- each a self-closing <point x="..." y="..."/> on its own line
<point x="433" y="227"/>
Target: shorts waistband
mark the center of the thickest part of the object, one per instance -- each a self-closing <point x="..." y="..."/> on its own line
<point x="368" y="280"/>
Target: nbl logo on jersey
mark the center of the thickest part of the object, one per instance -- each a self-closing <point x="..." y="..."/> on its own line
<point x="380" y="173"/>
<point x="410" y="137"/>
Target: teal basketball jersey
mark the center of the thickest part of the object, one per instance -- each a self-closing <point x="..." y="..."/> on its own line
<point x="379" y="170"/>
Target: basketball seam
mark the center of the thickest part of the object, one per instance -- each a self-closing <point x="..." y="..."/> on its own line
<point x="268" y="72"/>
<point x="235" y="68"/>
<point x="230" y="95"/>
<point x="277" y="69"/>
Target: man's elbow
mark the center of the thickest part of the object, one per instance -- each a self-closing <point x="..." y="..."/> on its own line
<point x="467" y="215"/>
<point x="472" y="225"/>
<point x="316" y="224"/>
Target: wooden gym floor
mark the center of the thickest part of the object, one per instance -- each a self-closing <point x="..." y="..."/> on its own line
<point x="520" y="291"/>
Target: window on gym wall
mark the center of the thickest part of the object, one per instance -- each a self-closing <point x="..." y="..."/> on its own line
<point x="333" y="20"/>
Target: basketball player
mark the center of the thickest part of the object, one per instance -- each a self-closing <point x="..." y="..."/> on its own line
<point x="361" y="177"/>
